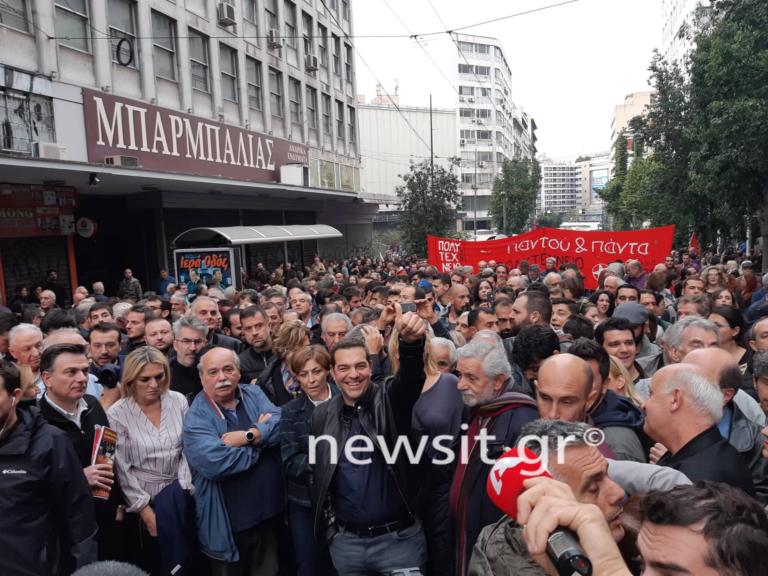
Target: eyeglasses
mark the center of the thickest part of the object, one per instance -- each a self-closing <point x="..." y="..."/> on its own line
<point x="188" y="341"/>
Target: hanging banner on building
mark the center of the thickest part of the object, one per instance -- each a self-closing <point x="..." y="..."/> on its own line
<point x="157" y="138"/>
<point x="29" y="211"/>
<point x="590" y="251"/>
<point x="206" y="264"/>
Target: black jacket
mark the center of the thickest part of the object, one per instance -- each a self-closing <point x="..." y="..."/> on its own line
<point x="45" y="503"/>
<point x="252" y="363"/>
<point x="709" y="457"/>
<point x="271" y="382"/>
<point x="227" y="342"/>
<point x="622" y="423"/>
<point x="384" y="410"/>
<point x="185" y="379"/>
<point x="294" y="447"/>
<point x="109" y="538"/>
<point x="747" y="438"/>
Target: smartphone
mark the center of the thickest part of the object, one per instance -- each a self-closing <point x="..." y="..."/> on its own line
<point x="408" y="307"/>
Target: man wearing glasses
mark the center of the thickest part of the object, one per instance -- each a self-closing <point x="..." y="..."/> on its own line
<point x="189" y="339"/>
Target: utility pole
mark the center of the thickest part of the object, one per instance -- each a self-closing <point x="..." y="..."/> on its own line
<point x="431" y="144"/>
<point x="474" y="187"/>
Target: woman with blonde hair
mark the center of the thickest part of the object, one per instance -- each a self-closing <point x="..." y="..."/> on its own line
<point x="621" y="383"/>
<point x="276" y="380"/>
<point x="148" y="420"/>
<point x="714" y="279"/>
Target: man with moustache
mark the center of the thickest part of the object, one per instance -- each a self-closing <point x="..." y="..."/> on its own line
<point x="231" y="443"/>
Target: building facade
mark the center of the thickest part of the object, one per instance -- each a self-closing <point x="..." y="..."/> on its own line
<point x="127" y="122"/>
<point x="635" y="104"/>
<point x="388" y="145"/>
<point x="677" y="33"/>
<point x="561" y="187"/>
<point x="492" y="128"/>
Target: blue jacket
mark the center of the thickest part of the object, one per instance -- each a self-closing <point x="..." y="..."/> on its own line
<point x="212" y="461"/>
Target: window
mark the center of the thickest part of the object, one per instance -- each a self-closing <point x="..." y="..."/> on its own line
<point x="484" y="134"/>
<point x="326" y="115"/>
<point x="311" y="108"/>
<point x="351" y="125"/>
<point x="466" y="69"/>
<point x="467" y="134"/>
<point x="336" y="54"/>
<point x="164" y="46"/>
<point x="228" y="66"/>
<point x="466" y="47"/>
<point x="348" y="62"/>
<point x="276" y="92"/>
<point x="466" y="112"/>
<point x="294" y="96"/>
<point x="121" y="17"/>
<point x="14" y="14"/>
<point x="466" y="91"/>
<point x="270" y="7"/>
<point x="483" y="113"/>
<point x="72" y="23"/>
<point x="249" y="11"/>
<point x="290" y="24"/>
<point x="483" y="70"/>
<point x="25" y="118"/>
<point x="198" y="59"/>
<point x="306" y="28"/>
<point x="253" y="80"/>
<point x="485" y="92"/>
<point x="345" y="9"/>
<point x="322" y="44"/>
<point x="482" y="48"/>
<point x="339" y="120"/>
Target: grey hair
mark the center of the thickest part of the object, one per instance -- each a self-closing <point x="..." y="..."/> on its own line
<point x="618" y="268"/>
<point x="179" y="298"/>
<point x="52" y="337"/>
<point x="673" y="337"/>
<point x="235" y="357"/>
<point x="765" y="280"/>
<point x="201" y="299"/>
<point x="98" y="287"/>
<point x="488" y="336"/>
<point x="760" y="364"/>
<point x="494" y="359"/>
<point x="335" y="317"/>
<point x="82" y="310"/>
<point x="120" y="308"/>
<point x="453" y="355"/>
<point x="19" y="329"/>
<point x="192" y="323"/>
<point x="704" y="394"/>
<point x="552" y="434"/>
<point x="110" y="568"/>
<point x="49" y="293"/>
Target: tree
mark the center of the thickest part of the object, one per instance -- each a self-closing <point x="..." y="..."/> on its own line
<point x="513" y="199"/>
<point x="612" y="193"/>
<point x="428" y="203"/>
<point x="550" y="220"/>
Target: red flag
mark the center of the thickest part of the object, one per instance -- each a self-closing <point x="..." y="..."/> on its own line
<point x="693" y="244"/>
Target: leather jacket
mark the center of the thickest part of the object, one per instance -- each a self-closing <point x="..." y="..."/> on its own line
<point x="384" y="410"/>
<point x="747" y="438"/>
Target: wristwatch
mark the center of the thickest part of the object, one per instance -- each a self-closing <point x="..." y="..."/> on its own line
<point x="249" y="436"/>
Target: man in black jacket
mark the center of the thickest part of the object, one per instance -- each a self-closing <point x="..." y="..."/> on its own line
<point x="189" y="338"/>
<point x="46" y="514"/>
<point x="206" y="310"/>
<point x="65" y="405"/>
<point x="681" y="413"/>
<point x="362" y="502"/>
<point x="255" y="332"/>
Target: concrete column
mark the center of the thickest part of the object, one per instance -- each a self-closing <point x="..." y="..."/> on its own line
<point x="43" y="18"/>
<point x="101" y="47"/>
<point x="145" y="50"/>
<point x="184" y="70"/>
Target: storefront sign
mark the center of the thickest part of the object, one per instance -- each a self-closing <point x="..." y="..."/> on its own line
<point x="171" y="141"/>
<point x="205" y="264"/>
<point x="31" y="211"/>
<point x="590" y="251"/>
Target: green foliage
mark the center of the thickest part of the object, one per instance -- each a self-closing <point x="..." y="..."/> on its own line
<point x="513" y="199"/>
<point x="428" y="203"/>
<point x="550" y="220"/>
<point x="706" y="164"/>
<point x="582" y="159"/>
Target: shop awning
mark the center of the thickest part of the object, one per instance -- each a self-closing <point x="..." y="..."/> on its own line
<point x="239" y="235"/>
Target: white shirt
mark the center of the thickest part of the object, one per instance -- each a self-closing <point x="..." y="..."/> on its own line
<point x="318" y="402"/>
<point x="73" y="417"/>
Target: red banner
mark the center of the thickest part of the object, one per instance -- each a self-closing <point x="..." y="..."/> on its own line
<point x="590" y="251"/>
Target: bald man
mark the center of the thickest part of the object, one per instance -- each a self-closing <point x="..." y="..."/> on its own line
<point x="740" y="432"/>
<point x="564" y="391"/>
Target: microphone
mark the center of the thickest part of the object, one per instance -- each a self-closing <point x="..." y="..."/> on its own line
<point x="505" y="484"/>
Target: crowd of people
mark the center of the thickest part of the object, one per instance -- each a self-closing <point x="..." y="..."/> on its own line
<point x="270" y="430"/>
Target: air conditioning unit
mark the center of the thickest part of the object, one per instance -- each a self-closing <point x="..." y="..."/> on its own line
<point x="48" y="150"/>
<point x="294" y="174"/>
<point x="470" y="99"/>
<point x="124" y="161"/>
<point x="273" y="38"/>
<point x="225" y="14"/>
<point x="463" y="142"/>
<point x="310" y="63"/>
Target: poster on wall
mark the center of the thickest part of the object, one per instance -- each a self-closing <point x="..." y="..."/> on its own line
<point x="206" y="265"/>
